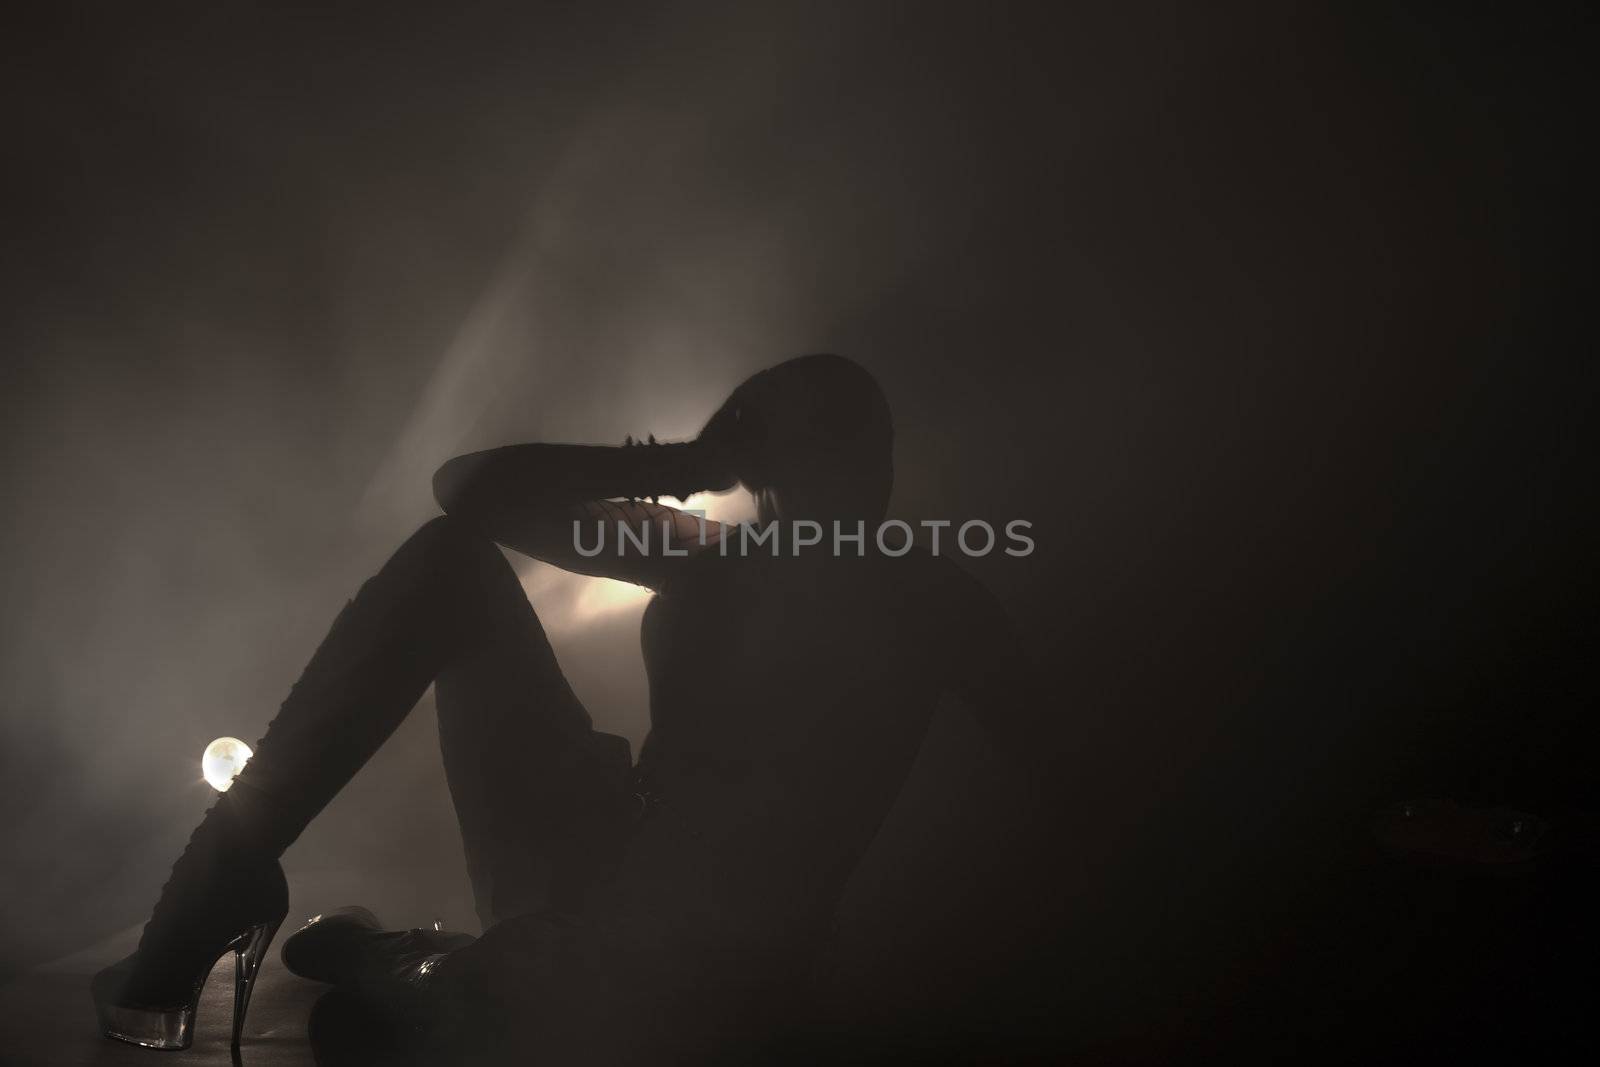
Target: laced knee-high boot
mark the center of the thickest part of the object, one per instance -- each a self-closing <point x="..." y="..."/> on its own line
<point x="227" y="891"/>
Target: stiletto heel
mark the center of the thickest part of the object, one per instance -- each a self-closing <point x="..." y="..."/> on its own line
<point x="248" y="953"/>
<point x="222" y="897"/>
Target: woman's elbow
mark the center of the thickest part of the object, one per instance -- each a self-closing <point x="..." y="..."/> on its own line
<point x="449" y="482"/>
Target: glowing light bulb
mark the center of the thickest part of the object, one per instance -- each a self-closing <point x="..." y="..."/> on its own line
<point x="224" y="758"/>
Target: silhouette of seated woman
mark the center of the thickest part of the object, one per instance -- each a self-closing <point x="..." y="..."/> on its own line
<point x="645" y="912"/>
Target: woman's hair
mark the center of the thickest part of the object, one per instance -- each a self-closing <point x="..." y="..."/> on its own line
<point x="828" y="431"/>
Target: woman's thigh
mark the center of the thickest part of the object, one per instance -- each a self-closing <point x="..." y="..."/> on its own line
<point x="538" y="793"/>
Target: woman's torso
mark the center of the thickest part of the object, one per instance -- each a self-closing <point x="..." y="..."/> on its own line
<point x="788" y="700"/>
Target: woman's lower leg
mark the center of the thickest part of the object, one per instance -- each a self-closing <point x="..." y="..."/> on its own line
<point x="406" y="625"/>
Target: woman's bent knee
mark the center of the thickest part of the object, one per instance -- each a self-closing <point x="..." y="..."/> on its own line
<point x="448" y="555"/>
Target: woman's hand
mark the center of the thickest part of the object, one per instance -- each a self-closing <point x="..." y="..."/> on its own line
<point x="727" y="446"/>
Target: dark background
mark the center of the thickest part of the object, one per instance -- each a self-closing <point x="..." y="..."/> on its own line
<point x="1273" y="319"/>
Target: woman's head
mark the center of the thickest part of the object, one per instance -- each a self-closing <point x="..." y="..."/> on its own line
<point x="815" y="440"/>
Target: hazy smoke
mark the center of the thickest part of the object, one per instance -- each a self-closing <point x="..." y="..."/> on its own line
<point x="1243" y="310"/>
<point x="231" y="414"/>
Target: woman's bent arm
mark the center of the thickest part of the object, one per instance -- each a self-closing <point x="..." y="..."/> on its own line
<point x="528" y="497"/>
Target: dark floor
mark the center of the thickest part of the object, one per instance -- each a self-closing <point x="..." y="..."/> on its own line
<point x="46" y="1017"/>
<point x="1386" y="962"/>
